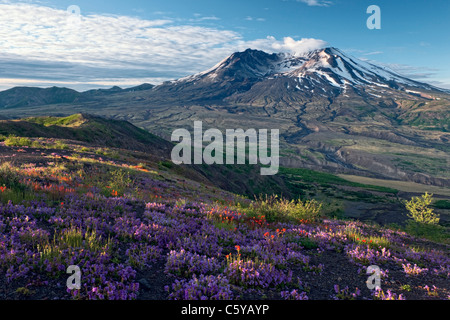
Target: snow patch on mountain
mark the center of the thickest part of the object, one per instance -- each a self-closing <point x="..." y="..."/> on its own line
<point x="328" y="67"/>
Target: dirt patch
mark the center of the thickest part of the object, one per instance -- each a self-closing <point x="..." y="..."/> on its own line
<point x="381" y="213"/>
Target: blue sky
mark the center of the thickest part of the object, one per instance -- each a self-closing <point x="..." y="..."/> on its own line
<point x="129" y="42"/>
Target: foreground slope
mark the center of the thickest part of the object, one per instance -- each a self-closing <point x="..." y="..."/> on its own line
<point x="122" y="138"/>
<point x="140" y="231"/>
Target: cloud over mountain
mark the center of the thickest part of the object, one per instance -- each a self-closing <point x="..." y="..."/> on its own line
<point x="43" y="44"/>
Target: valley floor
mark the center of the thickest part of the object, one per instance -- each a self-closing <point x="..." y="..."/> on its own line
<point x="405" y="186"/>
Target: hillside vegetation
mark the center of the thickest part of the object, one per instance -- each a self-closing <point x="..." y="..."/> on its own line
<point x="140" y="228"/>
<point x="87" y="128"/>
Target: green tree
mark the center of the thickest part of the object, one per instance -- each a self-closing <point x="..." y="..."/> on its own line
<point x="419" y="210"/>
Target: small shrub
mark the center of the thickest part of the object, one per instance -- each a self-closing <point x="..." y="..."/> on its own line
<point x="60" y="145"/>
<point x="142" y="165"/>
<point x="308" y="243"/>
<point x="406" y="287"/>
<point x="37" y="145"/>
<point x="24" y="291"/>
<point x="275" y="209"/>
<point x="420" y="211"/>
<point x="10" y="178"/>
<point x="13" y="141"/>
<point x="167" y="164"/>
<point x="372" y="241"/>
<point x="8" y="175"/>
<point x="120" y="180"/>
<point x="11" y="186"/>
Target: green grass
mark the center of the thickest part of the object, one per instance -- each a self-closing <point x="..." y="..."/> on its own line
<point x="108" y="153"/>
<point x="59" y="145"/>
<point x="86" y="128"/>
<point x="324" y="179"/>
<point x="10" y="178"/>
<point x="372" y="241"/>
<point x="165" y="164"/>
<point x="72" y="238"/>
<point x="13" y="141"/>
<point x="224" y="225"/>
<point x="441" y="204"/>
<point x="333" y="208"/>
<point x="73" y="120"/>
<point x="273" y="208"/>
<point x="308" y="243"/>
<point x="13" y="189"/>
<point x="431" y="232"/>
<point x="431" y="124"/>
<point x="313" y="176"/>
<point x="17" y="196"/>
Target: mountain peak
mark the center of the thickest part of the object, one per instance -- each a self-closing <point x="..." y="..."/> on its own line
<point x="317" y="74"/>
<point x="248" y="64"/>
<point x="333" y="67"/>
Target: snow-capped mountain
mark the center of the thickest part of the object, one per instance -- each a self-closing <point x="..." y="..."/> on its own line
<point x="249" y="64"/>
<point x="340" y="70"/>
<point x="345" y="109"/>
<point x="320" y="73"/>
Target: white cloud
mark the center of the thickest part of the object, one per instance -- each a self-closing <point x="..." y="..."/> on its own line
<point x="38" y="42"/>
<point x="213" y="18"/>
<point x="428" y="75"/>
<point x="288" y="44"/>
<point x="249" y="18"/>
<point x="316" y="3"/>
<point x="373" y="53"/>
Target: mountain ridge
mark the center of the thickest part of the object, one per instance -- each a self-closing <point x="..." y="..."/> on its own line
<point x="88" y="128"/>
<point x="17" y="97"/>
<point x="328" y="69"/>
<point x="328" y="66"/>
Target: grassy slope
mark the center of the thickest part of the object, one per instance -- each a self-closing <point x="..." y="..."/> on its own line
<point x="292" y="183"/>
<point x="175" y="212"/>
<point x="406" y="186"/>
<point x="87" y="128"/>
